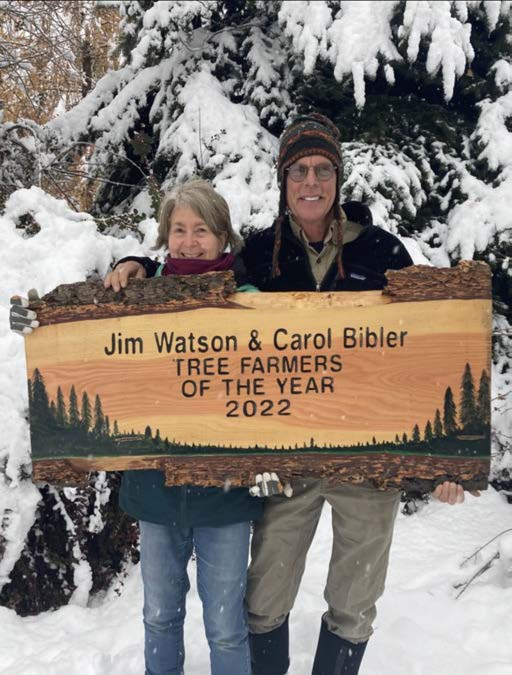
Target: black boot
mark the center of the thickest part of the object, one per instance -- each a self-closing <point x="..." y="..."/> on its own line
<point x="336" y="656"/>
<point x="269" y="651"/>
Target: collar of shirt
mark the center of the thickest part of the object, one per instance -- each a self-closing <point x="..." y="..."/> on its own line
<point x="319" y="262"/>
<point x="301" y="235"/>
<point x="351" y="231"/>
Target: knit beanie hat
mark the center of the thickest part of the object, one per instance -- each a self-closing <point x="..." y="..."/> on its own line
<point x="307" y="135"/>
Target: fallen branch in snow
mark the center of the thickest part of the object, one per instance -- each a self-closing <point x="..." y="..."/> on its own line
<point x="487" y="565"/>
<point x="478" y="573"/>
<point x="472" y="557"/>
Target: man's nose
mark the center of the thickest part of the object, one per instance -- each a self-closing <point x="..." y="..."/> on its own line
<point x="311" y="178"/>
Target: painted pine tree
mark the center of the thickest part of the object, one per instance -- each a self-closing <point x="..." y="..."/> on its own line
<point x="99" y="417"/>
<point x="428" y="434"/>
<point x="438" y="425"/>
<point x="483" y="402"/>
<point x="86" y="413"/>
<point x="449" y="413"/>
<point x="467" y="414"/>
<point x="61" y="414"/>
<point x="73" y="414"/>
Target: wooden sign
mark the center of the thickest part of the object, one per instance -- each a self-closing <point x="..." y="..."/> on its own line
<point x="379" y="388"/>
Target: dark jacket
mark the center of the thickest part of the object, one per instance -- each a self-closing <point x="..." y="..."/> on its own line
<point x="144" y="495"/>
<point x="365" y="260"/>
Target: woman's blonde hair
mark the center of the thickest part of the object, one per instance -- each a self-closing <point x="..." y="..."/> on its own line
<point x="200" y="196"/>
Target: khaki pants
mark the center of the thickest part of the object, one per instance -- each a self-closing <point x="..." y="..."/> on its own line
<point x="362" y="522"/>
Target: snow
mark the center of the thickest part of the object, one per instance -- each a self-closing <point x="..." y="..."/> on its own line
<point x="505" y="553"/>
<point x="450" y="48"/>
<point x="421" y="629"/>
<point x="307" y="23"/>
<point x="484" y="216"/>
<point x="384" y="178"/>
<point x="228" y="138"/>
<point x="67" y="248"/>
<point x="360" y="37"/>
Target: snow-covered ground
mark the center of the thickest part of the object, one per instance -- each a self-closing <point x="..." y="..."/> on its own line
<point x="421" y="628"/>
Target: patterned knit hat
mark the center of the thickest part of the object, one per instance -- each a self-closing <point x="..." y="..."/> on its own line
<point x="307" y="135"/>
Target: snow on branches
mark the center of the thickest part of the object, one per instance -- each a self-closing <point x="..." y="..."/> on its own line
<point x="357" y="36"/>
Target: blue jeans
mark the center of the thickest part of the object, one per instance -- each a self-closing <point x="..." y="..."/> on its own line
<point x="221" y="558"/>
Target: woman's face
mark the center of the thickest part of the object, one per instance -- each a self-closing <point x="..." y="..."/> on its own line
<point x="190" y="236"/>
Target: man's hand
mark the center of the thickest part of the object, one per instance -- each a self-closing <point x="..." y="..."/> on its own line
<point x="118" y="278"/>
<point x="268" y="485"/>
<point x="452" y="493"/>
<point x="21" y="319"/>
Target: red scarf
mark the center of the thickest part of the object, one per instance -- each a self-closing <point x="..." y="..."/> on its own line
<point x="197" y="265"/>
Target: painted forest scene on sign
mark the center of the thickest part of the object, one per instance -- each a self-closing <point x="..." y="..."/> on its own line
<point x="385" y="388"/>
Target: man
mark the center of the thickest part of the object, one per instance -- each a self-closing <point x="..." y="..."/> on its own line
<point x="313" y="246"/>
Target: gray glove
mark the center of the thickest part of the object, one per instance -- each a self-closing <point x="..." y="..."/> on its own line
<point x="21" y="319"/>
<point x="268" y="485"/>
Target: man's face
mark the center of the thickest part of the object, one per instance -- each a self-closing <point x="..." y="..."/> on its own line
<point x="311" y="199"/>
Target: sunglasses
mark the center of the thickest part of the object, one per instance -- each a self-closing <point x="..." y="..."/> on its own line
<point x="323" y="172"/>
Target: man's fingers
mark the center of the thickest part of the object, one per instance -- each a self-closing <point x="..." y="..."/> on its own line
<point x="255" y="490"/>
<point x="288" y="490"/>
<point x="267" y="484"/>
<point x="453" y="493"/>
<point x="275" y="487"/>
<point x="449" y="493"/>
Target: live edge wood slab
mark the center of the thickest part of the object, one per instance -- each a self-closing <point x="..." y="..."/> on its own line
<point x="388" y="388"/>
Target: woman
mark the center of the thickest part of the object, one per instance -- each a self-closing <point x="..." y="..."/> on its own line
<point x="195" y="226"/>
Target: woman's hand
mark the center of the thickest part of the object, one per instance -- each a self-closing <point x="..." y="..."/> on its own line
<point x="21" y="319"/>
<point x="119" y="276"/>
